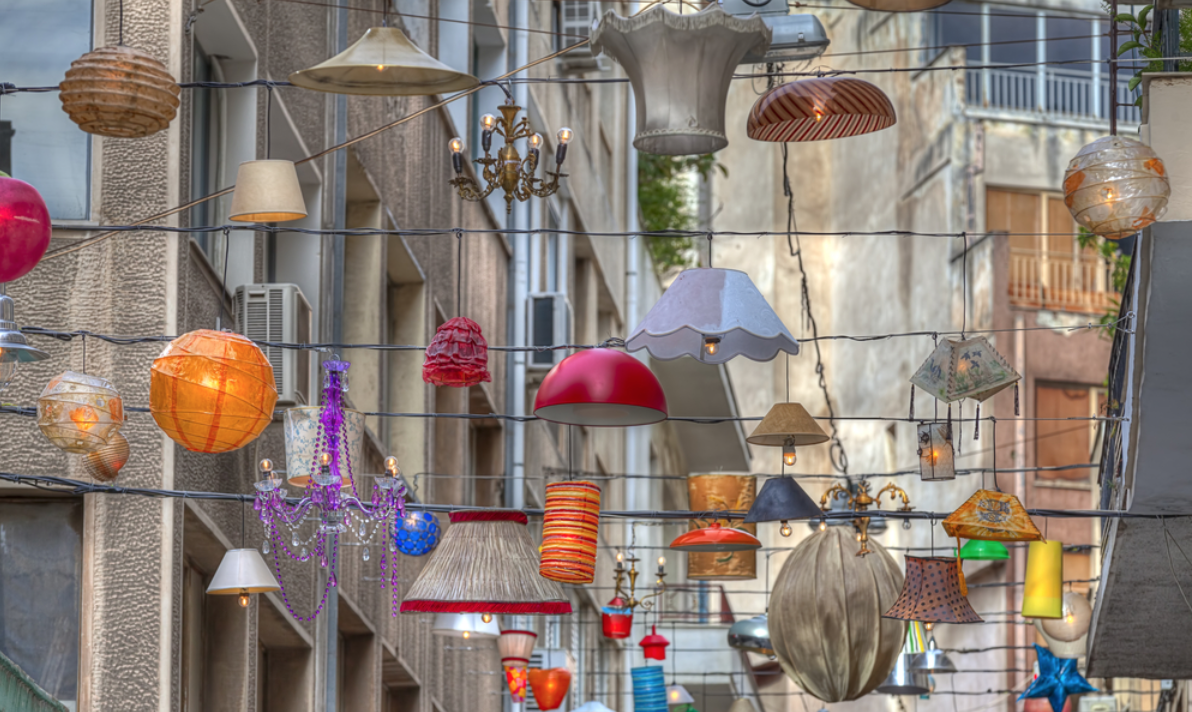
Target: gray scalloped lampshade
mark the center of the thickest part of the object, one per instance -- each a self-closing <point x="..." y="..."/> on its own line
<point x="717" y="303"/>
<point x="680" y="67"/>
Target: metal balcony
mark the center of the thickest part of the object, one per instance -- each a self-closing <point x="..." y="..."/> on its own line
<point x="1051" y="93"/>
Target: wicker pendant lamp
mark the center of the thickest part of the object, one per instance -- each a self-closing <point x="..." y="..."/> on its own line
<point x="384" y="62"/>
<point x="486" y="563"/>
<point x="819" y="109"/>
<point x="712" y="315"/>
<point x="933" y="593"/>
<point x="119" y="92"/>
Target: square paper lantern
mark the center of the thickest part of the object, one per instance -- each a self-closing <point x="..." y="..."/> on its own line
<point x="968" y="368"/>
<point x="936" y="459"/>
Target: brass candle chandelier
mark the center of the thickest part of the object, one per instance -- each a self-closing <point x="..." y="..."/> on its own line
<point x="509" y="171"/>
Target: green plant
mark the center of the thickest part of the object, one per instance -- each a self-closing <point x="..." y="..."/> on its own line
<point x="666" y="197"/>
<point x="1148" y="41"/>
<point x="1119" y="272"/>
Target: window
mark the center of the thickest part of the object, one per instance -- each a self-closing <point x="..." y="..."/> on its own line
<point x="38" y="41"/>
<point x="206" y="169"/>
<point x="1058" y="442"/>
<point x="959" y="26"/>
<point x="41" y="552"/>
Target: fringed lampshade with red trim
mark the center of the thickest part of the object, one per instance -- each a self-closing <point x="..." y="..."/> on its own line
<point x="818" y="109"/>
<point x="569" y="529"/>
<point x="485" y="563"/>
<point x="516" y="646"/>
<point x="457" y="355"/>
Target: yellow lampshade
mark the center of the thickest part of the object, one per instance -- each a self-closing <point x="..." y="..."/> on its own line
<point x="1043" y="594"/>
<point x="267" y="191"/>
<point x="384" y="62"/>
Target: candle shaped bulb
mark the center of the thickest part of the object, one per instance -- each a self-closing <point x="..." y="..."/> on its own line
<point x="928" y="625"/>
<point x="391" y="466"/>
<point x="467" y="634"/>
<point x="266" y="466"/>
<point x="823" y="525"/>
<point x="785" y="530"/>
<point x="457" y="145"/>
<point x="711" y="345"/>
<point x="325" y="459"/>
<point x="243" y="598"/>
<point x="620" y="561"/>
<point x="488" y="122"/>
<point x="565" y="135"/>
<point x="535" y="141"/>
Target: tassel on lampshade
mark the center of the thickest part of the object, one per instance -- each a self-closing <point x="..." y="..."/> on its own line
<point x="569" y="529"/>
<point x="485" y="563"/>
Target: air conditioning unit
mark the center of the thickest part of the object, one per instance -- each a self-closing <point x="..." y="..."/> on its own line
<point x="548" y="323"/>
<point x="279" y="313"/>
<point x="1098" y="703"/>
<point x="796" y="37"/>
<point x="578" y="17"/>
<point x="546" y="659"/>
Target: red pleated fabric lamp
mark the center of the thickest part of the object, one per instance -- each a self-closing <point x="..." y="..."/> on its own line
<point x="457" y="356"/>
<point x="601" y="387"/>
<point x="819" y="109"/>
<point x="569" y="529"/>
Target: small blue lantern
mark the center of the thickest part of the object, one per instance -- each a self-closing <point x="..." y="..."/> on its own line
<point x="418" y="533"/>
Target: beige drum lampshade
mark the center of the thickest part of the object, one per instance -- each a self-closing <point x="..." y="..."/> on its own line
<point x="384" y="62"/>
<point x="242" y="571"/>
<point x="267" y="191"/>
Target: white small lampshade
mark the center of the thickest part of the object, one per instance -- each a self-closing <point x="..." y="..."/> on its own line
<point x="242" y="571"/>
<point x="678" y="695"/>
<point x="456" y="625"/>
<point x="267" y="191"/>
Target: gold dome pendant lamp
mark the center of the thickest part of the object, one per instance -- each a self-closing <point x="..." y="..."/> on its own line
<point x="267" y="191"/>
<point x="384" y="62"/>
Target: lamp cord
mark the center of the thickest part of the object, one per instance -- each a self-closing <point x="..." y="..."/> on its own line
<point x="120" y="42"/>
<point x="459" y="272"/>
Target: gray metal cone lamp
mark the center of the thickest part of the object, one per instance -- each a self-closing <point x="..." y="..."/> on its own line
<point x="903" y="680"/>
<point x="680" y="67"/>
<point x="712" y="315"/>
<point x="932" y="660"/>
<point x="242" y="572"/>
<point x="751" y="635"/>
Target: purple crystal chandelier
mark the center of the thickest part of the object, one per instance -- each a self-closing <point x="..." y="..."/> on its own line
<point x="310" y="527"/>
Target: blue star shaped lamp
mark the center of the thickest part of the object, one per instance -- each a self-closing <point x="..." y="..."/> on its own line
<point x="1057" y="679"/>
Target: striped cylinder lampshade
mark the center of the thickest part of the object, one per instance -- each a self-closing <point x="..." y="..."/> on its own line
<point x="569" y="529"/>
<point x="649" y="689"/>
<point x="485" y="564"/>
<point x="819" y="109"/>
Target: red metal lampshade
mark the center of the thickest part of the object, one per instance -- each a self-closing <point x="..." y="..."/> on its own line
<point x="457" y="355"/>
<point x="716" y="538"/>
<point x="818" y="109"/>
<point x="616" y="620"/>
<point x="24" y="228"/>
<point x="549" y="686"/>
<point x="600" y="387"/>
<point x="654" y="645"/>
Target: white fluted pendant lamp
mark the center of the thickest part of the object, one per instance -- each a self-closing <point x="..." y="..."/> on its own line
<point x="384" y="62"/>
<point x="712" y="315"/>
<point x="267" y="191"/>
<point x="680" y="67"/>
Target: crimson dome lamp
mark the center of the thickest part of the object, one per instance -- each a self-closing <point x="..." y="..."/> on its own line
<point x="600" y="387"/>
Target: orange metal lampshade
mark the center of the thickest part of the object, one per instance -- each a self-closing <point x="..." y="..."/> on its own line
<point x="818" y="109"/>
<point x="549" y="686"/>
<point x="716" y="538"/>
<point x="931" y="593"/>
<point x="992" y="516"/>
<point x="212" y="391"/>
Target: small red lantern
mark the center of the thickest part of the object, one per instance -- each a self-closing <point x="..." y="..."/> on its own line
<point x="616" y="620"/>
<point x="549" y="687"/>
<point x="654" y="645"/>
<point x="602" y="387"/>
<point x="457" y="355"/>
<point x="24" y="228"/>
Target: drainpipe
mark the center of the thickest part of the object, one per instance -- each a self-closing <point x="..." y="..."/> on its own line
<point x="1021" y="632"/>
<point x="636" y="439"/>
<point x="515" y="492"/>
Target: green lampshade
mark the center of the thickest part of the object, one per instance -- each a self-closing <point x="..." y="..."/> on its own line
<point x="977" y="550"/>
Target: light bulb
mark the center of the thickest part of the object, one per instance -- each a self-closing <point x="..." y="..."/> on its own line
<point x="788" y="455"/>
<point x="823" y="524"/>
<point x="325" y="459"/>
<point x="486" y="617"/>
<point x="488" y="121"/>
<point x="243" y="598"/>
<point x="785" y="530"/>
<point x="620" y="557"/>
<point x="391" y="466"/>
<point x="380" y="67"/>
<point x="906" y="524"/>
<point x="711" y="345"/>
<point x="935" y="456"/>
<point x="535" y="141"/>
<point x="456" y="144"/>
<point x="661" y="561"/>
<point x="1069" y="619"/>
<point x="565" y="134"/>
<point x="467" y="634"/>
<point x="266" y="465"/>
<point x="928" y="625"/>
<point x="819" y="113"/>
<point x="858" y="536"/>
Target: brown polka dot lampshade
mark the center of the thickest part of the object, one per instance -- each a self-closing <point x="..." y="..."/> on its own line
<point x="931" y="593"/>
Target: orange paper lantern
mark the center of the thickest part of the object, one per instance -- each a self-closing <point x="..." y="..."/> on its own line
<point x="549" y="687"/>
<point x="569" y="528"/>
<point x="212" y="391"/>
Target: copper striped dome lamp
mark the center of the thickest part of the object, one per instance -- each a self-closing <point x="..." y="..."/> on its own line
<point x="819" y="109"/>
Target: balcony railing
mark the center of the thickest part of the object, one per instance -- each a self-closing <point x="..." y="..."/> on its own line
<point x="1066" y="93"/>
<point x="1060" y="281"/>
